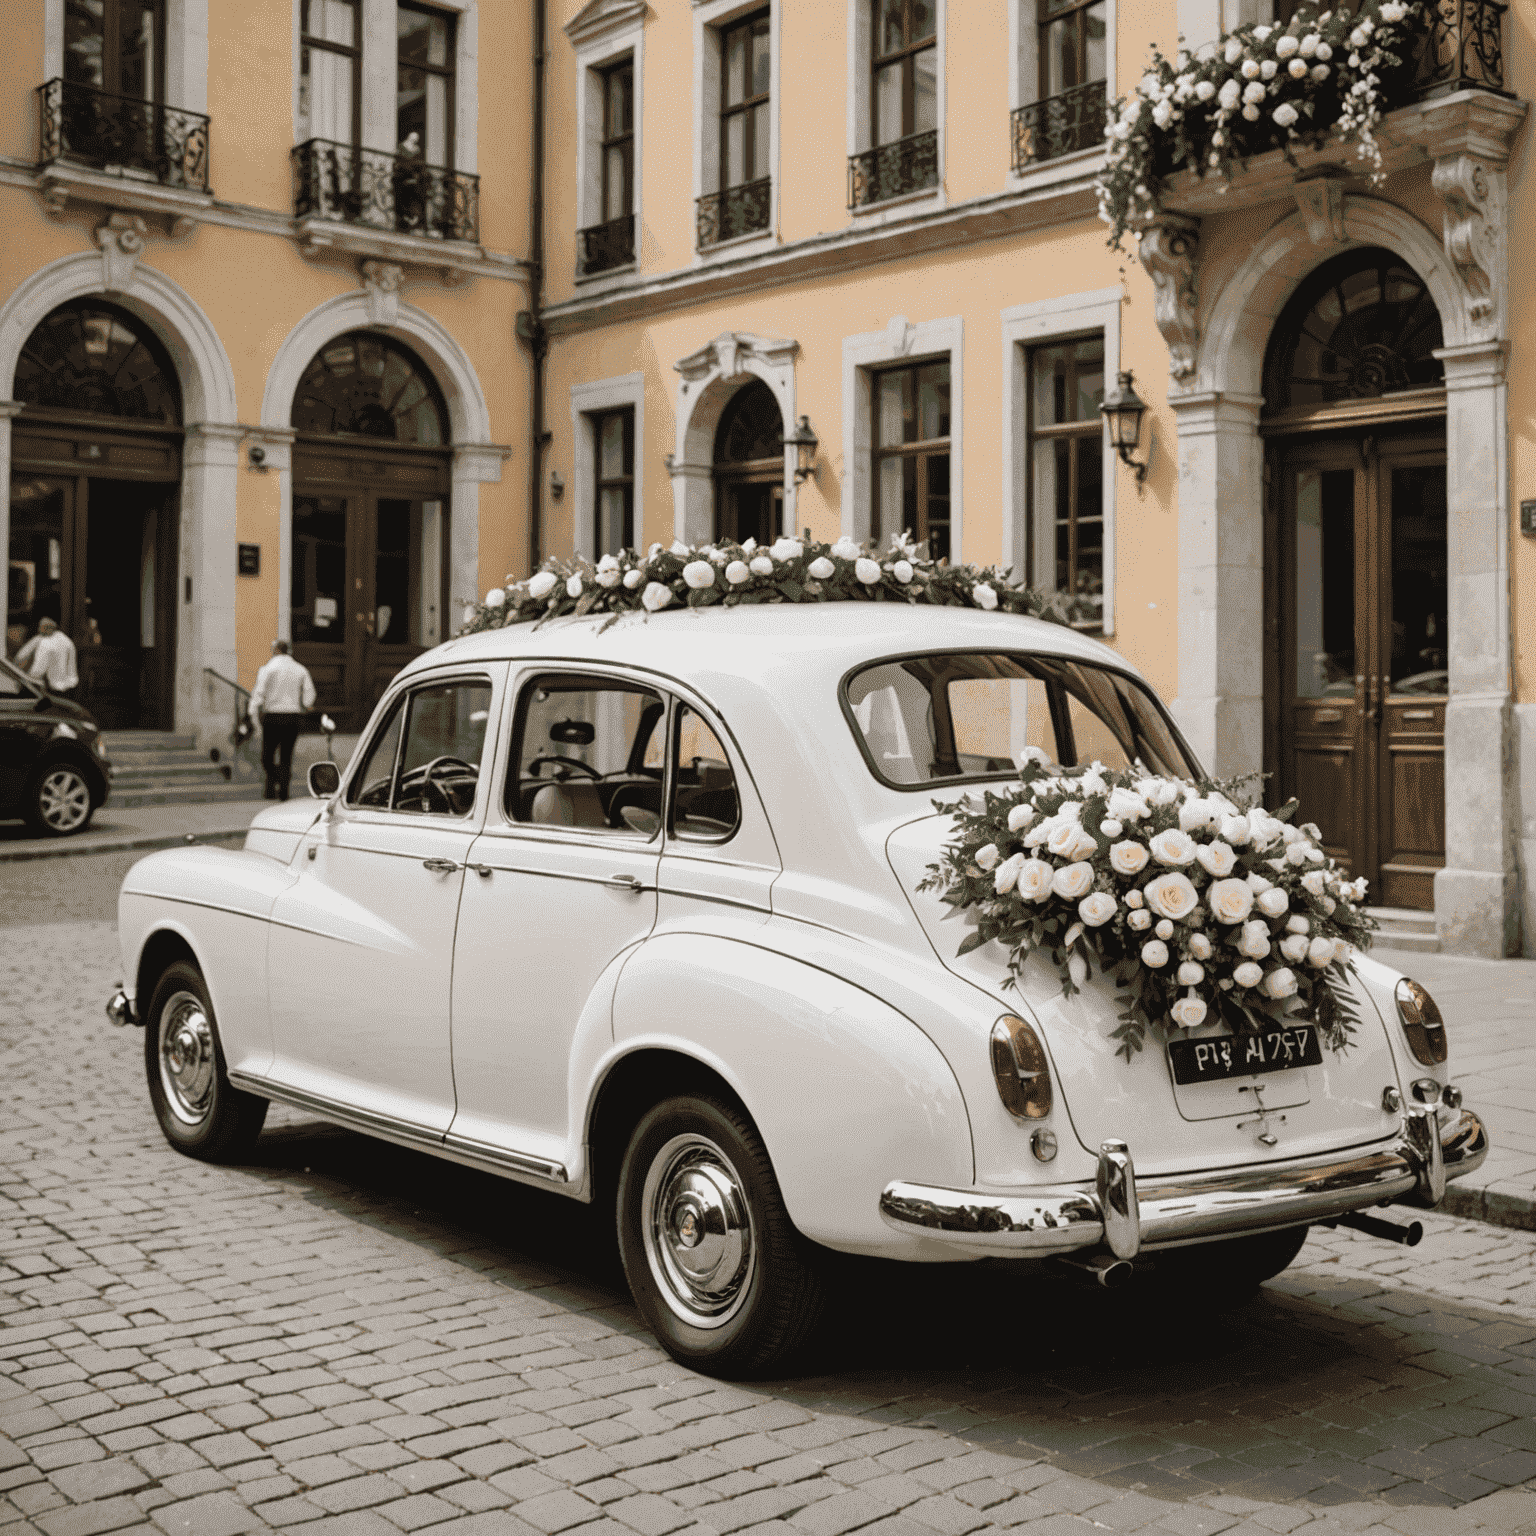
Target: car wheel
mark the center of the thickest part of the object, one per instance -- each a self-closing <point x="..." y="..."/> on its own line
<point x="1232" y="1270"/>
<point x="715" y="1265"/>
<point x="199" y="1111"/>
<point x="60" y="801"/>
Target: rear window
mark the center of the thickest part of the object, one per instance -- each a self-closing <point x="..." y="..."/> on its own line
<point x="940" y="719"/>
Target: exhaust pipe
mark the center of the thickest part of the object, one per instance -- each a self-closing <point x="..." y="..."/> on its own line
<point x="1374" y="1226"/>
<point x="1104" y="1268"/>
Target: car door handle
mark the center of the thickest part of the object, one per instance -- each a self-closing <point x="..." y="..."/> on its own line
<point x="439" y="866"/>
<point x="627" y="883"/>
<point x="483" y="870"/>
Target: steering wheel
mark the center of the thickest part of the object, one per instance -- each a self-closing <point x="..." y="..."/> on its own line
<point x="570" y="762"/>
<point x="432" y="767"/>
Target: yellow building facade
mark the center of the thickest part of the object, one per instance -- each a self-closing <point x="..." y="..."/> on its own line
<point x="257" y="298"/>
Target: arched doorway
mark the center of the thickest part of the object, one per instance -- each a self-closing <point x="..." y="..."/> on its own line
<point x="749" y="466"/>
<point x="369" y="546"/>
<point x="1356" y="672"/>
<point x="95" y="463"/>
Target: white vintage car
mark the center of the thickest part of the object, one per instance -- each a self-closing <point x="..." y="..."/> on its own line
<point x="629" y="911"/>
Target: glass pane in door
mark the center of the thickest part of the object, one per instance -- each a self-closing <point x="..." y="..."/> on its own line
<point x="1420" y="642"/>
<point x="407" y="572"/>
<point x="1325" y="583"/>
<point x="319" y="581"/>
<point x="35" y="577"/>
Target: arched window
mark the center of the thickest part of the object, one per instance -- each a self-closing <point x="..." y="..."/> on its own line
<point x="751" y="427"/>
<point x="94" y="357"/>
<point x="362" y="385"/>
<point x="1362" y="325"/>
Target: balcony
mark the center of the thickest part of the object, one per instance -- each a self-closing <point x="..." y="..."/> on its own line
<point x="737" y="211"/>
<point x="1059" y="125"/>
<point x="347" y="185"/>
<point x="122" y="137"/>
<point x="892" y="170"/>
<point x="603" y="247"/>
<point x="1461" y="47"/>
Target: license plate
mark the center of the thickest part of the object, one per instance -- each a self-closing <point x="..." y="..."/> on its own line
<point x="1272" y="1050"/>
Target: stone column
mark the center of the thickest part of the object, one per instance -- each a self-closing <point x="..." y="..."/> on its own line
<point x="8" y="409"/>
<point x="205" y="597"/>
<point x="474" y="465"/>
<point x="693" y="502"/>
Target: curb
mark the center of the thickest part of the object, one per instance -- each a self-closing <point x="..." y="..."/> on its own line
<point x="1493" y="1206"/>
<point x="146" y="841"/>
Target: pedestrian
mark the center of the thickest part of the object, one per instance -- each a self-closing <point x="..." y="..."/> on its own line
<point x="49" y="658"/>
<point x="284" y="691"/>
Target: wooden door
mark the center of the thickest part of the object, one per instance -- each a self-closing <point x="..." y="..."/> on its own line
<point x="1360" y="666"/>
<point x="749" y="503"/>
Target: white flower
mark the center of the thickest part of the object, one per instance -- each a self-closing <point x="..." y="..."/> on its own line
<point x="1007" y="875"/>
<point x="1077" y="966"/>
<point x="1258" y="884"/>
<point x="984" y="596"/>
<point x="469" y="613"/>
<point x="1324" y="52"/>
<point x="787" y="549"/>
<point x="1126" y="805"/>
<point x="1298" y="69"/>
<point x="749" y="546"/>
<point x="761" y="565"/>
<point x="1234" y="830"/>
<point x="1190" y="974"/>
<point x="327" y="724"/>
<point x="1296" y="853"/>
<point x="1328" y="904"/>
<point x="1320" y="952"/>
<point x="1172" y="895"/>
<point x="1253" y="91"/>
<point x="1315" y="855"/>
<point x="1173" y="847"/>
<point x="1035" y="876"/>
<point x="1294" y="947"/>
<point x="1297" y="924"/>
<point x="1093" y="782"/>
<point x="986" y="858"/>
<point x="699" y="574"/>
<point x="1188" y="1012"/>
<point x="1233" y="51"/>
<point x="1200" y="946"/>
<point x="1309" y="45"/>
<point x="902" y="571"/>
<point x="1273" y="902"/>
<point x="1267" y="69"/>
<point x="1204" y="90"/>
<point x="1149" y="84"/>
<point x="1070" y="841"/>
<point x="821" y="568"/>
<point x="1097" y="908"/>
<point x="608" y="576"/>
<point x="1160" y="791"/>
<point x="1255" y="940"/>
<point x="846" y="549"/>
<point x="1359" y="38"/>
<point x="1140" y="919"/>
<point x="1248" y="974"/>
<point x="1073" y="881"/>
<point x="1110" y="827"/>
<point x="1133" y="898"/>
<point x="1128" y="858"/>
<point x="1281" y="982"/>
<point x="656" y="596"/>
<point x="1216" y="859"/>
<point x="495" y="598"/>
<point x="1286" y="46"/>
<point x="1342" y="949"/>
<point x="1392" y="11"/>
<point x="632" y="579"/>
<point x="1320" y="72"/>
<point x="1251" y="113"/>
<point x="1250" y="69"/>
<point x="542" y="585"/>
<point x="1285" y="114"/>
<point x="1230" y="901"/>
<point x="1260" y="33"/>
<point x="573" y="586"/>
<point x="867" y="570"/>
<point x="737" y="572"/>
<point x="1154" y="953"/>
<point x="1229" y="94"/>
<point x="1164" y="929"/>
<point x="1020" y="817"/>
<point x="1162" y="114"/>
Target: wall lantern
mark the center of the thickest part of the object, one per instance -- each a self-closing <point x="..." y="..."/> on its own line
<point x="556" y="484"/>
<point x="804" y="442"/>
<point x="1123" y="409"/>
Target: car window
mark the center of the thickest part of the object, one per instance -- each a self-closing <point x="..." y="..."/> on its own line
<point x="704" y="799"/>
<point x="372" y="783"/>
<point x="588" y="753"/>
<point x="925" y="719"/>
<point x="437" y="769"/>
<point x="11" y="686"/>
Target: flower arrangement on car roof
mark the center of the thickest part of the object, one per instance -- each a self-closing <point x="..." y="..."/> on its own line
<point x="1258" y="88"/>
<point x="1202" y="911"/>
<point x="788" y="571"/>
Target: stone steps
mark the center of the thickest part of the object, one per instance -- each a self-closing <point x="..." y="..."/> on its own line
<point x="1405" y="928"/>
<point x="164" y="768"/>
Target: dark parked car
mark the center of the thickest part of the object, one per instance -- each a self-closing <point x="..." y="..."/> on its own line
<point x="53" y="763"/>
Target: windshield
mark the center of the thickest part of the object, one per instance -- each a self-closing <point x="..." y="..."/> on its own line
<point x="934" y="719"/>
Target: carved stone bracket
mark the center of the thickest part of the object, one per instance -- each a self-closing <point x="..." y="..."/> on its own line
<point x="55" y="196"/>
<point x="1473" y="193"/>
<point x="1168" y="246"/>
<point x="381" y="282"/>
<point x="1321" y="201"/>
<point x="121" y="239"/>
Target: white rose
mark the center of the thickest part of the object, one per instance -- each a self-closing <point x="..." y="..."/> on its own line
<point x="1260" y="33"/>
<point x="1281" y="982"/>
<point x="821" y="568"/>
<point x="1229" y="94"/>
<point x="1204" y="90"/>
<point x="1233" y="51"/>
<point x="1314" y="882"/>
<point x="1298" y="69"/>
<point x="1250" y="69"/>
<point x="1254" y="942"/>
<point x="1190" y="973"/>
<point x="867" y="570"/>
<point x="1289" y="834"/>
<point x="984" y="596"/>
<point x="1126" y="805"/>
<point x="1320" y="72"/>
<point x="846" y="549"/>
<point x="1248" y="974"/>
<point x="608" y="563"/>
<point x="1020" y="817"/>
<point x="1251" y="113"/>
<point x="1325" y="51"/>
<point x="1173" y="847"/>
<point x="1008" y="874"/>
<point x="1069" y="841"/>
<point x="1164" y="929"/>
<point x="1258" y="884"/>
<point x="1267" y="69"/>
<point x="1263" y="829"/>
<point x="495" y="598"/>
<point x="1097" y="908"/>
<point x="1140" y="920"/>
<point x="737" y="572"/>
<point x="1162" y="114"/>
<point x="1172" y="895"/>
<point x="786" y="549"/>
<point x="1073" y="881"/>
<point x="678" y="548"/>
<point x="1035" y="877"/>
<point x="986" y="858"/>
<point x="1154" y="953"/>
<point x="902" y="571"/>
<point x="761" y="565"/>
<point x="1320" y="952"/>
<point x="699" y="574"/>
<point x="1110" y="827"/>
<point x="1342" y="949"/>
<point x="1309" y="44"/>
<point x="632" y="579"/>
<point x="656" y="596"/>
<point x="1296" y="853"/>
<point x="1294" y="947"/>
<point x="1149" y="84"/>
<point x="542" y="585"/>
<point x="1286" y="46"/>
<point x="1188" y="1012"/>
<point x="1159" y="791"/>
<point x="1315" y="855"/>
<point x="1329" y="904"/>
<point x="608" y="577"/>
<point x="1297" y="924"/>
<point x="1128" y="858"/>
<point x="1273" y="902"/>
<point x="1230" y="901"/>
<point x="1359" y="38"/>
<point x="1133" y="899"/>
<point x="1216" y="859"/>
<point x="1254" y="91"/>
<point x="1200" y="946"/>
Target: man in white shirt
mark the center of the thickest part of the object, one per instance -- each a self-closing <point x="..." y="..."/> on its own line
<point x="49" y="658"/>
<point x="284" y="691"/>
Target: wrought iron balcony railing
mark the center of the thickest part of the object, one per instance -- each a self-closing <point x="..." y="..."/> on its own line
<point x="736" y="211"/>
<point x="395" y="192"/>
<point x="121" y="135"/>
<point x="606" y="246"/>
<point x="1461" y="46"/>
<point x="1059" y="125"/>
<point x="893" y="170"/>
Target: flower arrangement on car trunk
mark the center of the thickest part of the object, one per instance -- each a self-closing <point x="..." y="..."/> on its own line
<point x="1202" y="911"/>
<point x="787" y="571"/>
<point x="1258" y="88"/>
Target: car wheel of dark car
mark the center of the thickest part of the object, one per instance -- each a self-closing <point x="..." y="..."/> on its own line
<point x="1231" y="1271"/>
<point x="715" y="1265"/>
<point x="199" y="1111"/>
<point x="59" y="801"/>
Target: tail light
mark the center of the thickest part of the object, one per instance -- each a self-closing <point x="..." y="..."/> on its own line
<point x="1020" y="1069"/>
<point x="1422" y="1023"/>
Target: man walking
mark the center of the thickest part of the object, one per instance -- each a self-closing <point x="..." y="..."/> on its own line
<point x="49" y="658"/>
<point x="284" y="691"/>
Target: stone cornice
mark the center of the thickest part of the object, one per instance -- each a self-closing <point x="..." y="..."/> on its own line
<point x="599" y="18"/>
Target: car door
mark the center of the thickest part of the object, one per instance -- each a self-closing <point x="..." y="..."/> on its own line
<point x="360" y="961"/>
<point x="564" y="883"/>
<point x="23" y="730"/>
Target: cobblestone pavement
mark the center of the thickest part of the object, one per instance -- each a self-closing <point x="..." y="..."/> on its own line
<point x="346" y="1337"/>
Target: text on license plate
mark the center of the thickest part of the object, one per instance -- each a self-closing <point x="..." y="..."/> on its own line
<point x="1270" y="1050"/>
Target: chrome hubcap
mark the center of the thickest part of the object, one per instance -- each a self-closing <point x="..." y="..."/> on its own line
<point x="186" y="1058"/>
<point x="64" y="800"/>
<point x="698" y="1231"/>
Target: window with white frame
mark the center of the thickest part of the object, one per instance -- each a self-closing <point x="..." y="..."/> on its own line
<point x="608" y="435"/>
<point x="331" y="71"/>
<point x="736" y="167"/>
<point x="137" y="50"/>
<point x="613" y="510"/>
<point x="1063" y="66"/>
<point x="897" y="100"/>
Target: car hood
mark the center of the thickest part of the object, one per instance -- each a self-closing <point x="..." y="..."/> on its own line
<point x="276" y="831"/>
<point x="1169" y="1128"/>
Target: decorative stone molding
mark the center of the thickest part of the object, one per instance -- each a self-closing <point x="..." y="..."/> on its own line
<point x="121" y="239"/>
<point x="381" y="285"/>
<point x="1473" y="193"/>
<point x="731" y="353"/>
<point x="1321" y="201"/>
<point x="1167" y="251"/>
<point x="598" y="18"/>
<point x="55" y="195"/>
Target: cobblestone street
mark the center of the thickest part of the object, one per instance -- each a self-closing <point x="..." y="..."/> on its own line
<point x="348" y="1337"/>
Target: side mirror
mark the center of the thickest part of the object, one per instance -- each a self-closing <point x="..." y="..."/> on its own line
<point x="324" y="779"/>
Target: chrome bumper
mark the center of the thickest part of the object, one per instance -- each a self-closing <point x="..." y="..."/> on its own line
<point x="120" y="1010"/>
<point x="1113" y="1213"/>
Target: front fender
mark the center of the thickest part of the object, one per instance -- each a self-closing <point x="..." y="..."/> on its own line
<point x="842" y="1087"/>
